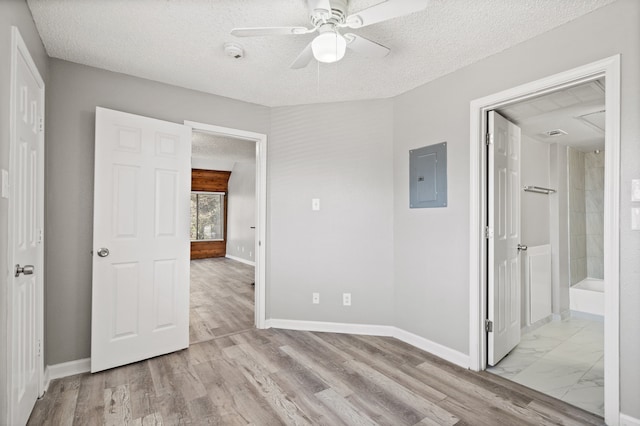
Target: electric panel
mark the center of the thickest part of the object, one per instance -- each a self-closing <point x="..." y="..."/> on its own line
<point x="428" y="176"/>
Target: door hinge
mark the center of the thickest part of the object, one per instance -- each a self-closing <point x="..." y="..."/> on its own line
<point x="39" y="347"/>
<point x="489" y="139"/>
<point x="40" y="235"/>
<point x="488" y="326"/>
<point x="41" y="124"/>
<point x="488" y="232"/>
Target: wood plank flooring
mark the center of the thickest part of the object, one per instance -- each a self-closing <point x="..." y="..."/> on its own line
<point x="222" y="298"/>
<point x="279" y="377"/>
<point x="237" y="375"/>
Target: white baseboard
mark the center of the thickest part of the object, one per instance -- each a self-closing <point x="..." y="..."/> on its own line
<point x="427" y="345"/>
<point x="58" y="371"/>
<point x="628" y="420"/>
<point x="448" y="354"/>
<point x="331" y="327"/>
<point x="241" y="260"/>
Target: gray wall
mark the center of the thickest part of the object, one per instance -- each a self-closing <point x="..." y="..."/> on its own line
<point x="340" y="153"/>
<point x="431" y="245"/>
<point x="74" y="93"/>
<point x="242" y="211"/>
<point x="577" y="218"/>
<point x="534" y="208"/>
<point x="12" y="13"/>
<point x="559" y="228"/>
<point x="594" y="212"/>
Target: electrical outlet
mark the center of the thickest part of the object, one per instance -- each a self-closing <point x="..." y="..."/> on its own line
<point x="315" y="299"/>
<point x="346" y="299"/>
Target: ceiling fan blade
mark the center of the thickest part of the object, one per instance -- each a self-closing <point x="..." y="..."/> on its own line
<point x="365" y="46"/>
<point x="267" y="31"/>
<point x="320" y="6"/>
<point x="303" y="58"/>
<point x="384" y="11"/>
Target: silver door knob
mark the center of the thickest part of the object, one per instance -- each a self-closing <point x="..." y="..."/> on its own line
<point x="26" y="269"/>
<point x="522" y="247"/>
<point x="103" y="252"/>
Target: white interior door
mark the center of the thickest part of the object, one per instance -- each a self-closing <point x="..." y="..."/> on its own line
<point x="141" y="224"/>
<point x="26" y="211"/>
<point x="504" y="223"/>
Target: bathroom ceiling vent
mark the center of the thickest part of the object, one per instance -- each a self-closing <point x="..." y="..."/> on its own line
<point x="554" y="133"/>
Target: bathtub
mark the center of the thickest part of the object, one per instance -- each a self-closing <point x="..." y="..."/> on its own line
<point x="587" y="296"/>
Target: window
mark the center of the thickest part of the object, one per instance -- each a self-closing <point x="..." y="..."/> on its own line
<point x="207" y="216"/>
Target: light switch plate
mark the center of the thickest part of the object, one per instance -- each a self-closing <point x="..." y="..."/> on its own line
<point x="5" y="184"/>
<point x="635" y="190"/>
<point x="315" y="204"/>
<point x="635" y="218"/>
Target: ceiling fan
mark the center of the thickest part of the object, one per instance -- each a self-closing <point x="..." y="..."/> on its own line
<point x="327" y="18"/>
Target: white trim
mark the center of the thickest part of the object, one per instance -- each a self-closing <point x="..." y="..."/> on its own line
<point x="628" y="420"/>
<point x="419" y="342"/>
<point x="332" y="327"/>
<point x="18" y="47"/>
<point x="610" y="69"/>
<point x="448" y="354"/>
<point x="46" y="379"/>
<point x="612" y="244"/>
<point x="241" y="260"/>
<point x="65" y="369"/>
<point x="261" y="208"/>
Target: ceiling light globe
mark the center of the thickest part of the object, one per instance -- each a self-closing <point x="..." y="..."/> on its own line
<point x="329" y="47"/>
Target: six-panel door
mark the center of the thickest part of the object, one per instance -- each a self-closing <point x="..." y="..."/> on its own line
<point x="141" y="239"/>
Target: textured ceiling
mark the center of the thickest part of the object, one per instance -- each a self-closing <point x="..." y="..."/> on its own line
<point x="180" y="42"/>
<point x="204" y="145"/>
<point x="566" y="110"/>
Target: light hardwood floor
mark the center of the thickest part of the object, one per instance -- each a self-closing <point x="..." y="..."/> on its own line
<point x="276" y="377"/>
<point x="222" y="298"/>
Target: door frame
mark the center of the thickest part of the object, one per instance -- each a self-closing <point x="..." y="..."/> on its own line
<point x="610" y="69"/>
<point x="18" y="47"/>
<point x="261" y="207"/>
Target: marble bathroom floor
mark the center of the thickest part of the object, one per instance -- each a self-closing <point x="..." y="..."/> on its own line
<point x="563" y="359"/>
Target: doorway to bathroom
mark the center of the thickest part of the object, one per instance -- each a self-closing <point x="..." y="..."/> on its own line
<point x="555" y="196"/>
<point x="497" y="285"/>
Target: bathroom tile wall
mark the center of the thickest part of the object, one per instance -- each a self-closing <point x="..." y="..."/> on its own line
<point x="594" y="210"/>
<point x="577" y="217"/>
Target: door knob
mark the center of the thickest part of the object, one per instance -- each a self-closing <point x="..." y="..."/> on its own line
<point x="26" y="269"/>
<point x="103" y="252"/>
<point x="522" y="247"/>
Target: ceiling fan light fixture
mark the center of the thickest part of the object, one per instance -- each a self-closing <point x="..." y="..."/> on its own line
<point x="329" y="47"/>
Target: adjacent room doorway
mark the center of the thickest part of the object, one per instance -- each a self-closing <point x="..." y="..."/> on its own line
<point x="244" y="249"/>
<point x="547" y="327"/>
<point x="607" y="70"/>
<point x="223" y="236"/>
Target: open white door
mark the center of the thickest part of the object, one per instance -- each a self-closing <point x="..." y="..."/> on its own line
<point x="26" y="199"/>
<point x="504" y="223"/>
<point x="141" y="223"/>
